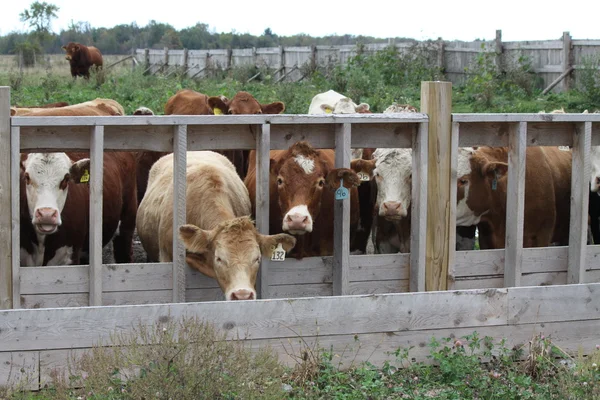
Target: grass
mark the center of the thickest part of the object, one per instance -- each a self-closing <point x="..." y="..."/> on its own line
<point x="191" y="360"/>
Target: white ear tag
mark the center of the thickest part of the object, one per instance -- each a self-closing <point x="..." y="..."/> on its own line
<point x="363" y="177"/>
<point x="278" y="253"/>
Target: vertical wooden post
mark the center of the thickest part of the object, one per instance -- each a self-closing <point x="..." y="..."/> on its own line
<point x="165" y="61"/>
<point x="206" y="63"/>
<point x="313" y="58"/>
<point x="499" y="50"/>
<point x="453" y="203"/>
<point x="229" y="58"/>
<point x="580" y="183"/>
<point x="440" y="54"/>
<point x="263" y="148"/>
<point x="341" y="217"/>
<point x="515" y="204"/>
<point x="281" y="68"/>
<point x="15" y="176"/>
<point x="436" y="101"/>
<point x="96" y="192"/>
<point x="566" y="61"/>
<point x="179" y="210"/>
<point x="147" y="61"/>
<point x="6" y="228"/>
<point x="418" y="221"/>
<point x="185" y="61"/>
<point x="254" y="57"/>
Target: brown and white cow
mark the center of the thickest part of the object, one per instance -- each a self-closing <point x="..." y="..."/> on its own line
<point x="302" y="186"/>
<point x="220" y="238"/>
<point x="81" y="58"/>
<point x="55" y="207"/>
<point x="97" y="107"/>
<point x="481" y="194"/>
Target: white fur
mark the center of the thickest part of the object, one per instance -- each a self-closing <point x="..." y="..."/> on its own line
<point x="61" y="257"/>
<point x="336" y="102"/>
<point x="307" y="164"/>
<point x="303" y="211"/>
<point x="595" y="168"/>
<point x="464" y="215"/>
<point x="394" y="167"/>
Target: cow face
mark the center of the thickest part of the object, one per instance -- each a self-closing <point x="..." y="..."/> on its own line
<point x="72" y="50"/>
<point x="300" y="177"/>
<point x="595" y="167"/>
<point x="47" y="177"/>
<point x="392" y="171"/>
<point x="243" y="103"/>
<point x="345" y="106"/>
<point x="478" y="181"/>
<point x="231" y="254"/>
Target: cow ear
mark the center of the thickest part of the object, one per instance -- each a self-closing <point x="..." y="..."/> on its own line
<point x="363" y="166"/>
<point x="218" y="105"/>
<point x="362" y="108"/>
<point x="64" y="48"/>
<point x="274" y="108"/>
<point x="495" y="170"/>
<point x="274" y="166"/>
<point x="268" y="243"/>
<point x="194" y="239"/>
<point x="349" y="176"/>
<point x="327" y="109"/>
<point x="13" y="111"/>
<point x="198" y="262"/>
<point x="80" y="171"/>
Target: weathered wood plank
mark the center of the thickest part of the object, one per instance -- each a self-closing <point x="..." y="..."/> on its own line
<point x="515" y="204"/>
<point x="108" y="299"/>
<point x="20" y="369"/>
<point x="580" y="184"/>
<point x="96" y="194"/>
<point x="554" y="303"/>
<point x="179" y="210"/>
<point x="263" y="147"/>
<point x="341" y="216"/>
<point x="418" y="241"/>
<point x="532" y="118"/>
<point x="14" y="284"/>
<point x="82" y="327"/>
<point x="6" y="202"/>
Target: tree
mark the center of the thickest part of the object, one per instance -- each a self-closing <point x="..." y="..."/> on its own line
<point x="39" y="16"/>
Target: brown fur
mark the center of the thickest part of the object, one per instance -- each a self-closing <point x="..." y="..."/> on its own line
<point x="547" y="194"/>
<point x="302" y="188"/>
<point x="81" y="58"/>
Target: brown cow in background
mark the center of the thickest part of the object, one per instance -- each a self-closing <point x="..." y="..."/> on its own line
<point x="81" y="58"/>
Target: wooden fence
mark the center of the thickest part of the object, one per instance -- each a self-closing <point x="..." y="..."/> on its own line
<point x="44" y="337"/>
<point x="555" y="62"/>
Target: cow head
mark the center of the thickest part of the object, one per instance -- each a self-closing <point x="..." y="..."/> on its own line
<point x="231" y="254"/>
<point x="478" y="179"/>
<point x="143" y="111"/>
<point x="300" y="176"/>
<point x="47" y="177"/>
<point x="400" y="108"/>
<point x="345" y="105"/>
<point x="243" y="103"/>
<point x="392" y="171"/>
<point x="595" y="168"/>
<point x="72" y="50"/>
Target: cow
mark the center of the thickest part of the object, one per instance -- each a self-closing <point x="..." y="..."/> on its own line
<point x="332" y="102"/>
<point x="302" y="183"/>
<point x="220" y="239"/>
<point x="97" y="107"/>
<point x="57" y="104"/>
<point x="55" y="207"/>
<point x="481" y="194"/>
<point x="81" y="58"/>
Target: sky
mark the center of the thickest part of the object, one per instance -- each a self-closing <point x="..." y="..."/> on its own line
<point x="519" y="20"/>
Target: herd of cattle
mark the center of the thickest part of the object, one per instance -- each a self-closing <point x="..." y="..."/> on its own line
<point x="220" y="238"/>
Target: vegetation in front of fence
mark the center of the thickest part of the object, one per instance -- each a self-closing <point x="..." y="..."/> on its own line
<point x="379" y="79"/>
<point x="190" y="360"/>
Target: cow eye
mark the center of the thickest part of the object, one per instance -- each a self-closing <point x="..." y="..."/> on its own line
<point x="463" y="182"/>
<point x="27" y="178"/>
<point x="321" y="182"/>
<point x="279" y="181"/>
<point x="219" y="260"/>
<point x="257" y="260"/>
<point x="65" y="182"/>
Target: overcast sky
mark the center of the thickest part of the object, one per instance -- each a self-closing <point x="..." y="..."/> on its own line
<point x="456" y="20"/>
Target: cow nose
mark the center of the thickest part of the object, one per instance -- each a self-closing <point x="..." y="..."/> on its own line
<point x="391" y="208"/>
<point x="46" y="215"/>
<point x="242" y="294"/>
<point x="297" y="221"/>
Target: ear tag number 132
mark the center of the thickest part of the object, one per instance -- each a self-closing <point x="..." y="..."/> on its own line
<point x="341" y="193"/>
<point x="278" y="253"/>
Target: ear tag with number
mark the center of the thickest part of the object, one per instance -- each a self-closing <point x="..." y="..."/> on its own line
<point x="341" y="193"/>
<point x="278" y="253"/>
<point x="495" y="180"/>
<point x="363" y="177"/>
<point x="85" y="177"/>
<point x="217" y="111"/>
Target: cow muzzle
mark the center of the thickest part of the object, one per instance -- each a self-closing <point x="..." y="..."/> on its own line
<point x="297" y="221"/>
<point x="241" y="294"/>
<point x="392" y="210"/>
<point x="46" y="220"/>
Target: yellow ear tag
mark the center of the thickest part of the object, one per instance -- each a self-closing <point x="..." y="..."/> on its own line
<point x="217" y="111"/>
<point x="363" y="177"/>
<point x="278" y="253"/>
<point x="85" y="177"/>
<point x="329" y="111"/>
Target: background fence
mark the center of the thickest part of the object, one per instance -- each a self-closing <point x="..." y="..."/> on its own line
<point x="555" y="62"/>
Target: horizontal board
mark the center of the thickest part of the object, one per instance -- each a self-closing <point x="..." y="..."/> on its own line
<point x="523" y="117"/>
<point x="108" y="299"/>
<point x="59" y="328"/>
<point x="20" y="370"/>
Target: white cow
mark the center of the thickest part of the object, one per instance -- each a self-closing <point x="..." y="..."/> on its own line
<point x="332" y="102"/>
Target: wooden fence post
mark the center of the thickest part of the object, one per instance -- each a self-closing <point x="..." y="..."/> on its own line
<point x="185" y="61"/>
<point x="146" y="61"/>
<point x="499" y="50"/>
<point x="281" y="68"/>
<point x="566" y="61"/>
<point x="313" y="58"/>
<point x="5" y="202"/>
<point x="165" y="61"/>
<point x="179" y="209"/>
<point x="96" y="193"/>
<point x="436" y="101"/>
<point x="263" y="151"/>
<point x="229" y="59"/>
<point x="341" y="217"/>
<point x="440" y="54"/>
